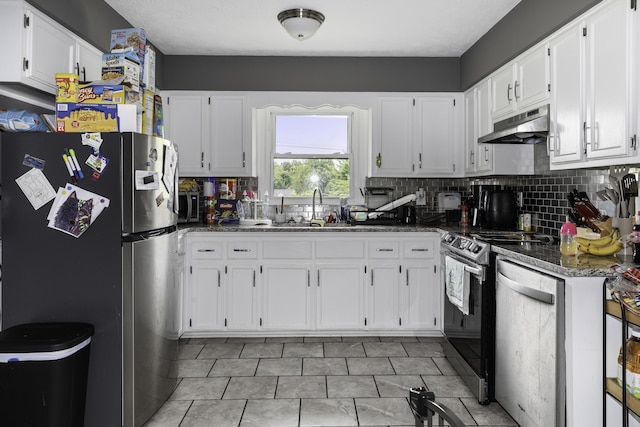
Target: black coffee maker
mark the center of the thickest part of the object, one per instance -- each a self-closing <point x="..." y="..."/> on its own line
<point x="478" y="213"/>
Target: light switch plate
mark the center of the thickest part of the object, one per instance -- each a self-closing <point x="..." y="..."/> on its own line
<point x="421" y="198"/>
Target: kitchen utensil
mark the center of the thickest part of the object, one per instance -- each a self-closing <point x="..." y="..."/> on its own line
<point x="602" y="195"/>
<point x="389" y="206"/>
<point x="447" y="201"/>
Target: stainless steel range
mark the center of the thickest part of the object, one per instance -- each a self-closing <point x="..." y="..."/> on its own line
<point x="470" y="335"/>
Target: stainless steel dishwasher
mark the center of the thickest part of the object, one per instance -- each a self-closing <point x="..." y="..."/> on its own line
<point x="530" y="356"/>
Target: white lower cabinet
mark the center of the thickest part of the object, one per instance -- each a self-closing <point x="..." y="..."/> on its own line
<point x="286" y="296"/>
<point x="241" y="311"/>
<point x="339" y="297"/>
<point x="314" y="282"/>
<point x="204" y="290"/>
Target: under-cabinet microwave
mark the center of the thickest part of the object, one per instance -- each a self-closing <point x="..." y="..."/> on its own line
<point x="188" y="206"/>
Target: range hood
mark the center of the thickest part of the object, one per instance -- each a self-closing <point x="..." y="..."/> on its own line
<point x="526" y="128"/>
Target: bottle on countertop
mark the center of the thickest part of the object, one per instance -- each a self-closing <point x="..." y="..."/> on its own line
<point x="636" y="239"/>
<point x="568" y="233"/>
<point x="632" y="368"/>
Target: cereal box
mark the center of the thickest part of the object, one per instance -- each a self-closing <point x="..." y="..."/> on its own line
<point x="122" y="64"/>
<point x="158" y="120"/>
<point x="149" y="69"/>
<point x="147" y="112"/>
<point x="73" y="117"/>
<point x="67" y="87"/>
<point x="134" y="38"/>
<point x="107" y="92"/>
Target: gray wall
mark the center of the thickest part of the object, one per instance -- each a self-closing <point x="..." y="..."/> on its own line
<point x="331" y="74"/>
<point x="528" y="23"/>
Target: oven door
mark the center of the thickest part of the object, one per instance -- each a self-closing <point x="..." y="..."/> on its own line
<point x="470" y="337"/>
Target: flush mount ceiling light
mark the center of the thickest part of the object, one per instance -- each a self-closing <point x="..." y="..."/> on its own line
<point x="301" y="23"/>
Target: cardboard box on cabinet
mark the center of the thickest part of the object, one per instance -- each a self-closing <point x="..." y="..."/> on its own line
<point x="130" y="38"/>
<point x="124" y="65"/>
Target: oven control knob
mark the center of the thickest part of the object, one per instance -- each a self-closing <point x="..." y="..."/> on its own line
<point x="475" y="248"/>
<point x="448" y="238"/>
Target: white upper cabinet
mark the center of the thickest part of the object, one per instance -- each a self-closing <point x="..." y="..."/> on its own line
<point x="393" y="136"/>
<point x="417" y="136"/>
<point x="187" y="125"/>
<point x="213" y="133"/>
<point x="592" y="114"/>
<point x="608" y="67"/>
<point x="522" y="84"/>
<point x="35" y="48"/>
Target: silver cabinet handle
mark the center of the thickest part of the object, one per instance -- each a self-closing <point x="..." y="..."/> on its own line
<point x="419" y="250"/>
<point x="471" y="157"/>
<point x="515" y="90"/>
<point x="509" y="93"/>
<point x="407" y="277"/>
<point x="372" y="277"/>
<point x="318" y="278"/>
<point x="202" y="159"/>
<point x="384" y="250"/>
<point x="486" y="154"/>
<point x="308" y="278"/>
<point x="206" y="250"/>
<point x="241" y="250"/>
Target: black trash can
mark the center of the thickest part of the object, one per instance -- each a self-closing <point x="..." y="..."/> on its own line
<point x="43" y="374"/>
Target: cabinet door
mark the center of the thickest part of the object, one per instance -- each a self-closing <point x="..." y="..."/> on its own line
<point x="484" y="126"/>
<point x="470" y="131"/>
<point x="49" y="49"/>
<point x="393" y="137"/>
<point x="204" y="296"/>
<point x="383" y="295"/>
<point x="240" y="297"/>
<point x="339" y="296"/>
<point x="567" y="99"/>
<point x="286" y="296"/>
<point x="532" y="78"/>
<point x="230" y="136"/>
<point x="187" y="118"/>
<point x="608" y="88"/>
<point x="421" y="295"/>
<point x="502" y="93"/>
<point x="88" y="62"/>
<point x="435" y="135"/>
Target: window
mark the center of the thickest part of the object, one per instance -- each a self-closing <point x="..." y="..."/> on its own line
<point x="300" y="148"/>
<point x="312" y="151"/>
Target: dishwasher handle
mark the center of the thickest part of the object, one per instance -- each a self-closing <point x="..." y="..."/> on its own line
<point x="544" y="297"/>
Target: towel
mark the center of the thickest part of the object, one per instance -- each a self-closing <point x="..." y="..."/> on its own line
<point x="457" y="282"/>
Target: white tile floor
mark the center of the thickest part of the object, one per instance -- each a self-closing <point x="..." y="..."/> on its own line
<point x="314" y="381"/>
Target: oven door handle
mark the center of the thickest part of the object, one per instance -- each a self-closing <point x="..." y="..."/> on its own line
<point x="476" y="270"/>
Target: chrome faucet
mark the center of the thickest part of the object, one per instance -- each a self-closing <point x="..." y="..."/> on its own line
<point x="313" y="202"/>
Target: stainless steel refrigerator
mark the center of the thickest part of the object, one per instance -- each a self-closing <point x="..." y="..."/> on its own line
<point x="102" y="251"/>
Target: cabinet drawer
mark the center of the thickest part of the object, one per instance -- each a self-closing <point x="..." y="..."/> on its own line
<point x="333" y="249"/>
<point x="206" y="250"/>
<point x="286" y="250"/>
<point x="242" y="250"/>
<point x="419" y="249"/>
<point x="384" y="249"/>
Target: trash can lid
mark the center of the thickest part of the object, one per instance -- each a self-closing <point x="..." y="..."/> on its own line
<point x="37" y="337"/>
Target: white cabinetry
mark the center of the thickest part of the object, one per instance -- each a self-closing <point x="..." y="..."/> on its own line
<point x="286" y="284"/>
<point x="203" y="290"/>
<point x="213" y="133"/>
<point x="486" y="159"/>
<point x="88" y="62"/>
<point x="521" y="84"/>
<point x="336" y="283"/>
<point x="384" y="274"/>
<point x="35" y="48"/>
<point x="419" y="302"/>
<point x="592" y="120"/>
<point x="417" y="136"/>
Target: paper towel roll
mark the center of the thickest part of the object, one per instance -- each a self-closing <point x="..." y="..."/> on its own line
<point x="207" y="189"/>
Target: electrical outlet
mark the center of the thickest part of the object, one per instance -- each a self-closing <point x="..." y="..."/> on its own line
<point x="520" y="199"/>
<point x="421" y="197"/>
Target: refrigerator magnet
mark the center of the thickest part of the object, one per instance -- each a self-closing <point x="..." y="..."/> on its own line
<point x="147" y="180"/>
<point x="35" y="185"/>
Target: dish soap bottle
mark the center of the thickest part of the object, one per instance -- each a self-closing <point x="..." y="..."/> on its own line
<point x="635" y="238"/>
<point x="568" y="244"/>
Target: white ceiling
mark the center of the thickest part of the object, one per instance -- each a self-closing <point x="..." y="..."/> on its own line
<point x="420" y="28"/>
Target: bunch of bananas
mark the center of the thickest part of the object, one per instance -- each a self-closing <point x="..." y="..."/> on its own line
<point x="604" y="246"/>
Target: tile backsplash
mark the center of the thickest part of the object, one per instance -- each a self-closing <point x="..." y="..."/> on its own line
<point x="544" y="194"/>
